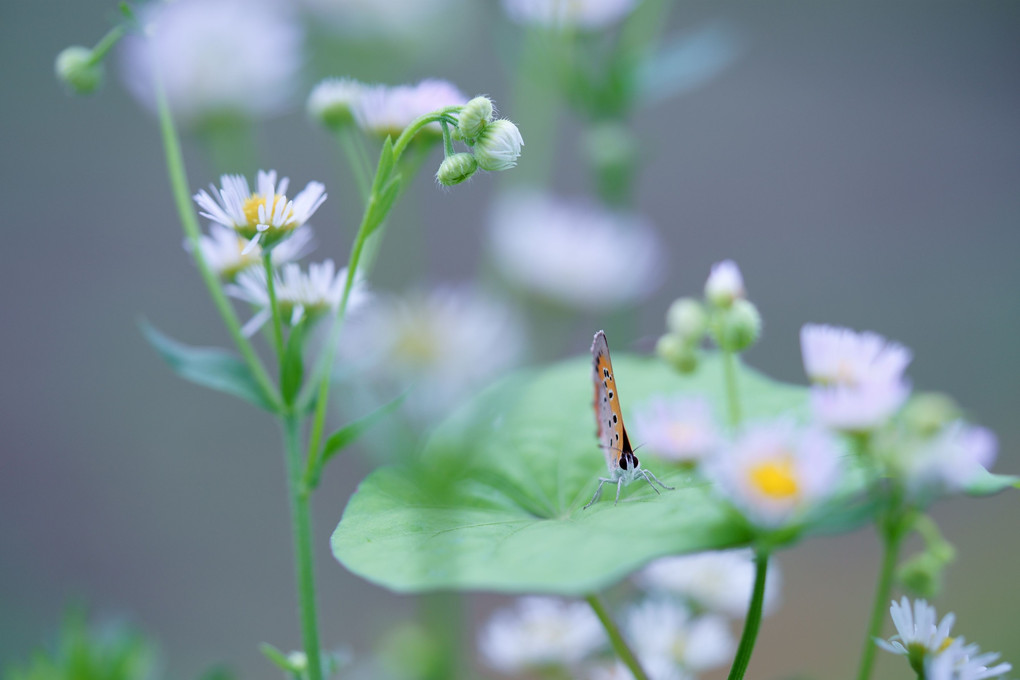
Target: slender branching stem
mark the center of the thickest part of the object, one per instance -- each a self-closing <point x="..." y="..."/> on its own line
<point x="732" y="394"/>
<point x="304" y="554"/>
<point x="892" y="537"/>
<point x="189" y="223"/>
<point x="753" y="621"/>
<point x="274" y="307"/>
<point x="616" y="638"/>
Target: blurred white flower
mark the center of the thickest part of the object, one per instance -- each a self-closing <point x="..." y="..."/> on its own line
<point x="725" y="284"/>
<point x="917" y="635"/>
<point x="540" y="632"/>
<point x="216" y="57"/>
<point x="678" y="428"/>
<point x="574" y="253"/>
<point x="665" y="636"/>
<point x="841" y="356"/>
<point x="658" y="668"/>
<point x="718" y="581"/>
<point x="386" y="110"/>
<point x="859" y="376"/>
<point x="777" y="471"/>
<point x="333" y="100"/>
<point x="584" y="14"/>
<point x="962" y="661"/>
<point x="444" y="343"/>
<point x="264" y="217"/>
<point x="223" y="250"/>
<point x="949" y="460"/>
<point x="299" y="295"/>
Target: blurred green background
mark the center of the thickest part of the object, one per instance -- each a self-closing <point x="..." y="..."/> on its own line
<point x="860" y="161"/>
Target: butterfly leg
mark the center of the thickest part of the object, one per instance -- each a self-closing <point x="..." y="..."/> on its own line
<point x="598" y="492"/>
<point x="619" y="485"/>
<point x="648" y="474"/>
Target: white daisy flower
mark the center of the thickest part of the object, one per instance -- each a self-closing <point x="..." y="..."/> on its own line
<point x="540" y="632"/>
<point x="858" y="376"/>
<point x="590" y="15"/>
<point x="725" y="284"/>
<point x="264" y="217"/>
<point x="333" y="100"/>
<point x="776" y="472"/>
<point x="717" y="581"/>
<point x="679" y="428"/>
<point x="223" y="250"/>
<point x="386" y="110"/>
<point x="962" y="661"/>
<point x="299" y="295"/>
<point x="445" y="343"/>
<point x="215" y="57"/>
<point x="841" y="356"/>
<point x="917" y="634"/>
<point x="949" y="460"/>
<point x="574" y="253"/>
<point x="664" y="630"/>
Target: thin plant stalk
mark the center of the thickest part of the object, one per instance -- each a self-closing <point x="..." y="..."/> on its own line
<point x="891" y="539"/>
<point x="189" y="223"/>
<point x="274" y="308"/>
<point x="753" y="621"/>
<point x="625" y="653"/>
<point x="732" y="394"/>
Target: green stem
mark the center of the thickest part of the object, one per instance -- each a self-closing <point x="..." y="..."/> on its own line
<point x="274" y="308"/>
<point x="303" y="549"/>
<point x="753" y="621"/>
<point x="732" y="395"/>
<point x="891" y="538"/>
<point x="616" y="639"/>
<point x="347" y="137"/>
<point x="189" y="223"/>
<point x="106" y="43"/>
<point x="369" y="222"/>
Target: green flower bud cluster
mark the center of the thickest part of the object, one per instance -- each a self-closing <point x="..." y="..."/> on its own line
<point x="725" y="314"/>
<point x="922" y="573"/>
<point x="496" y="144"/>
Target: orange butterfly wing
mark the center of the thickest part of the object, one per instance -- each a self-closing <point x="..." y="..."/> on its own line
<point x="611" y="433"/>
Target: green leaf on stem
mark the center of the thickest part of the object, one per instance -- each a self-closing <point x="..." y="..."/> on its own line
<point x="382" y="172"/>
<point x="210" y="367"/>
<point x="383" y="202"/>
<point x="987" y="483"/>
<point x="352" y="431"/>
<point x="278" y="658"/>
<point x="293" y="368"/>
<point x="495" y="500"/>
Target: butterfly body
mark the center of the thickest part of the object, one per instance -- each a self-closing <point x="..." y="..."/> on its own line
<point x="624" y="466"/>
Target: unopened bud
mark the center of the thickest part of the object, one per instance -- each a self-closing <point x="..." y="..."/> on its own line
<point x="498" y="146"/>
<point x="686" y="317"/>
<point x="738" y="327"/>
<point x="725" y="284"/>
<point x="456" y="168"/>
<point x="76" y="68"/>
<point x="927" y="413"/>
<point x="922" y="574"/>
<point x="679" y="354"/>
<point x="473" y="118"/>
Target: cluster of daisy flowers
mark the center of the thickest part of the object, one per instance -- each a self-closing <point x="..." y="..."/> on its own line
<point x="777" y="473"/>
<point x="679" y="627"/>
<point x="929" y="649"/>
<point x="248" y="226"/>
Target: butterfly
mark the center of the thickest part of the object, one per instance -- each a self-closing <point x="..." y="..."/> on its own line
<point x="623" y="465"/>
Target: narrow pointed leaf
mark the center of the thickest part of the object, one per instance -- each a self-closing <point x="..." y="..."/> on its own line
<point x="293" y="368"/>
<point x="210" y="367"/>
<point x="350" y="432"/>
<point x="382" y="173"/>
<point x="988" y="483"/>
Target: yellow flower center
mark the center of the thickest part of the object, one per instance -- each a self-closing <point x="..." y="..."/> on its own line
<point x="945" y="643"/>
<point x="775" y="478"/>
<point x="256" y="201"/>
<point x="417" y="346"/>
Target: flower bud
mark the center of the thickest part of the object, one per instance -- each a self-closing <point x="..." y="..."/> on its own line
<point x="679" y="354"/>
<point x="76" y="68"/>
<point x="686" y="317"/>
<point x="922" y="574"/>
<point x="498" y="146"/>
<point x="738" y="327"/>
<point x="331" y="102"/>
<point x="927" y="413"/>
<point x="456" y="168"/>
<point x="473" y="118"/>
<point x="725" y="284"/>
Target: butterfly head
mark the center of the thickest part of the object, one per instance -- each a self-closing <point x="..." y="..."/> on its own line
<point x="628" y="461"/>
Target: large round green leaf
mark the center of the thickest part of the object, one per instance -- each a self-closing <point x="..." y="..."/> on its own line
<point x="495" y="502"/>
